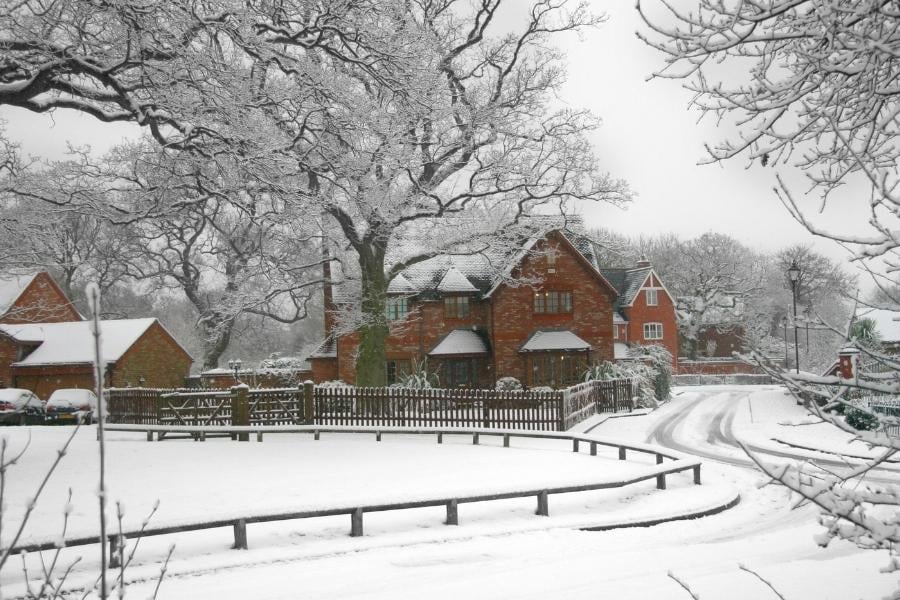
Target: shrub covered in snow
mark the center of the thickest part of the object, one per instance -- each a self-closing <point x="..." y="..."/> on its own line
<point x="541" y="389"/>
<point x="860" y="420"/>
<point x="604" y="371"/>
<point x="335" y="383"/>
<point x="658" y="361"/>
<point x="419" y="379"/>
<point x="508" y="384"/>
<point x="651" y="374"/>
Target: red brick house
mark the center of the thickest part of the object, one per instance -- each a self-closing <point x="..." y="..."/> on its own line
<point x="50" y="356"/>
<point x="474" y="326"/>
<point x="645" y="310"/>
<point x="34" y="298"/>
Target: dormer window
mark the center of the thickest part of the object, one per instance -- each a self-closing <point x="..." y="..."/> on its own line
<point x="456" y="307"/>
<point x="652" y="297"/>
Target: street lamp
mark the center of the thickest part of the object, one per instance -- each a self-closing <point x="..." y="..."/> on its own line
<point x="235" y="366"/>
<point x="794" y="276"/>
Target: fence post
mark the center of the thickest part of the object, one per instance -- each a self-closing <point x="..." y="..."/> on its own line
<point x="116" y="545"/>
<point x="309" y="390"/>
<point x="593" y="448"/>
<point x="240" y="410"/>
<point x="542" y="505"/>
<point x="452" y="513"/>
<point x="697" y="475"/>
<point x="575" y="445"/>
<point x="356" y="523"/>
<point x="661" y="481"/>
<point x="240" y="535"/>
<point x="561" y="404"/>
<point x="621" y="453"/>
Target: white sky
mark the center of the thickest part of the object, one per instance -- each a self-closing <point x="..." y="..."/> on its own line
<point x="649" y="137"/>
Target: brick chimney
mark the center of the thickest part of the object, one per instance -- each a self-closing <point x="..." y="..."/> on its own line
<point x="643" y="263"/>
<point x="327" y="292"/>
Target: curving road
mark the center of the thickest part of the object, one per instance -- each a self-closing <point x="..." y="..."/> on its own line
<point x="705" y="427"/>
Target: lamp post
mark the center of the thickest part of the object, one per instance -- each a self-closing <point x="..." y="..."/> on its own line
<point x="235" y="366"/>
<point x="784" y="324"/>
<point x="794" y="276"/>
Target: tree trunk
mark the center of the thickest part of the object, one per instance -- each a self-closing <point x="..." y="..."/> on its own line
<point x="371" y="368"/>
<point x="216" y="333"/>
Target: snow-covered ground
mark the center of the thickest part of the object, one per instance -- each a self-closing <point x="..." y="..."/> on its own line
<point x="499" y="550"/>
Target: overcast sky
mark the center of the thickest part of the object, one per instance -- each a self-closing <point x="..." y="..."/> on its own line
<point x="649" y="137"/>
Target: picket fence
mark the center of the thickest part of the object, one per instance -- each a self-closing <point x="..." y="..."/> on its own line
<point x="390" y="407"/>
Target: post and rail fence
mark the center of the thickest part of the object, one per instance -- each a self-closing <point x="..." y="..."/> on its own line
<point x="308" y="404"/>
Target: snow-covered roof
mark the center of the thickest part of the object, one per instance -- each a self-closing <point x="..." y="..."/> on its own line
<point x="455" y="282"/>
<point x="618" y="318"/>
<point x="73" y="342"/>
<point x="401" y="285"/>
<point x="620" y="351"/>
<point x="460" y="341"/>
<point x="327" y="349"/>
<point x="11" y="287"/>
<point x="554" y="340"/>
<point x="886" y="322"/>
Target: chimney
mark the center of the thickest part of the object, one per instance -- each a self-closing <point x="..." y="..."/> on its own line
<point x="327" y="297"/>
<point x="643" y="263"/>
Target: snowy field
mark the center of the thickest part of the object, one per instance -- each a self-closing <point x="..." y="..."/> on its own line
<point x="499" y="550"/>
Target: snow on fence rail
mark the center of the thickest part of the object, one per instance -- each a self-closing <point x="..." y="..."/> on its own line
<point x="659" y="472"/>
<point x="399" y="407"/>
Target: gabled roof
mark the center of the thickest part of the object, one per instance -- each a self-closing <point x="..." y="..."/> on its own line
<point x="627" y="282"/>
<point x="458" y="342"/>
<point x="73" y="343"/>
<point x="542" y="341"/>
<point x="11" y="287"/>
<point x="481" y="272"/>
<point x="327" y="349"/>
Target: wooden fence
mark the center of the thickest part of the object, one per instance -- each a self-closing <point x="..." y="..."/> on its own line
<point x="389" y="407"/>
<point x="659" y="472"/>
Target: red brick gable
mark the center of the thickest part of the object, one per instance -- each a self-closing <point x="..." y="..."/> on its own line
<point x="638" y="313"/>
<point x="514" y="319"/>
<point x="42" y="301"/>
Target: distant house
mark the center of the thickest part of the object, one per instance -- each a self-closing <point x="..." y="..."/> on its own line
<point x="887" y="324"/>
<point x="645" y="310"/>
<point x="474" y="326"/>
<point x="50" y="356"/>
<point x="34" y="298"/>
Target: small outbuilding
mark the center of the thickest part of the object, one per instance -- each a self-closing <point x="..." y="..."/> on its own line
<point x="136" y="352"/>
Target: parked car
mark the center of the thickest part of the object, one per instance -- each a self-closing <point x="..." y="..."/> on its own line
<point x="20" y="407"/>
<point x="71" y="405"/>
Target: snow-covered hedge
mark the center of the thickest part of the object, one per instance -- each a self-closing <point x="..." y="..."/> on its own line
<point x="508" y="384"/>
<point x="651" y="374"/>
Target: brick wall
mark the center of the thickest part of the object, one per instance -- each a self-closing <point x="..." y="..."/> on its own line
<point x="414" y="337"/>
<point x="324" y="369"/>
<point x="9" y="353"/>
<point x="41" y="302"/>
<point x="156" y="357"/>
<point x="514" y="319"/>
<point x="45" y="380"/>
<point x="640" y="313"/>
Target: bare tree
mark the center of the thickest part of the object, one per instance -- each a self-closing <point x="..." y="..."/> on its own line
<point x="810" y="84"/>
<point x="454" y="163"/>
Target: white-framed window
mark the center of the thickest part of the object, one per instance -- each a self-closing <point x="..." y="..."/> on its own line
<point x="653" y="331"/>
<point x="396" y="309"/>
<point x="652" y="296"/>
<point x="615" y="332"/>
